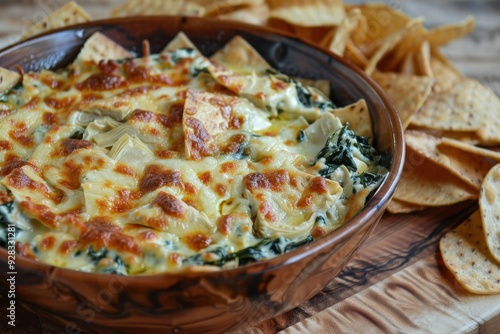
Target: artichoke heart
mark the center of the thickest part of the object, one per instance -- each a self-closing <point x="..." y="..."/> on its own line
<point x="130" y="150"/>
<point x="110" y="138"/>
<point x="98" y="126"/>
<point x="287" y="202"/>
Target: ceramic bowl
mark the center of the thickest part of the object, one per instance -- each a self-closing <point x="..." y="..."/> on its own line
<point x="210" y="302"/>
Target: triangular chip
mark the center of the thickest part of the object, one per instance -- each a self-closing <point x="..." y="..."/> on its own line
<point x="408" y="65"/>
<point x="466" y="137"/>
<point x="390" y="42"/>
<point x="359" y="35"/>
<point x="489" y="204"/>
<point x="445" y="73"/>
<point x="343" y="31"/>
<point x="8" y="79"/>
<point x="426" y="183"/>
<point x="314" y="13"/>
<point x="410" y="44"/>
<point x="465" y="254"/>
<point x="238" y="55"/>
<point x="469" y="148"/>
<point x="254" y="14"/>
<point x="470" y="167"/>
<point x="447" y="33"/>
<point x="219" y="7"/>
<point x="353" y="54"/>
<point x="158" y="7"/>
<point x="407" y="92"/>
<point x="99" y="47"/>
<point x="180" y="41"/>
<point x="69" y="14"/>
<point x="358" y="117"/>
<point x="465" y="106"/>
<point x="382" y="20"/>
<point x="423" y="60"/>
<point x="397" y="206"/>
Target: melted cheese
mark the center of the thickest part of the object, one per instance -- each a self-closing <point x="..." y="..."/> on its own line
<point x="170" y="161"/>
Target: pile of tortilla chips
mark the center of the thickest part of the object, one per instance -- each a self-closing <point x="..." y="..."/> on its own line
<point x="452" y="122"/>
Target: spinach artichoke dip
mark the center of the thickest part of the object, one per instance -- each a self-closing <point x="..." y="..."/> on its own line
<point x="174" y="161"/>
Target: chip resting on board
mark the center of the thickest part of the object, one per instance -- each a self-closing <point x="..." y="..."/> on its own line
<point x="465" y="161"/>
<point x="408" y="92"/>
<point x="489" y="204"/>
<point x="465" y="106"/>
<point x="465" y="254"/>
<point x="158" y="7"/>
<point x="397" y="206"/>
<point x="425" y="183"/>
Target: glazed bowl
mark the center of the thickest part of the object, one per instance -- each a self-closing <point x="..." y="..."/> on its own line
<point x="205" y="301"/>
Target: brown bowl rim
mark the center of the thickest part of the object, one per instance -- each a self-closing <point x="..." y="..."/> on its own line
<point x="378" y="202"/>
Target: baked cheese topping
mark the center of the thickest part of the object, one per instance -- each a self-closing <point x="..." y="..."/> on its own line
<point x="176" y="161"/>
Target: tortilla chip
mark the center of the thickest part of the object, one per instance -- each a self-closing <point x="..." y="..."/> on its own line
<point x="255" y="14"/>
<point x="343" y="31"/>
<point x="220" y="7"/>
<point x="425" y="183"/>
<point x="314" y="13"/>
<point x="390" y="42"/>
<point x="489" y="206"/>
<point x="465" y="106"/>
<point x="466" y="137"/>
<point x="466" y="255"/>
<point x="408" y="64"/>
<point x="67" y="15"/>
<point x="8" y="79"/>
<point x="469" y="148"/>
<point x="411" y="43"/>
<point x="470" y="166"/>
<point x="445" y="73"/>
<point x="382" y="20"/>
<point x="358" y="117"/>
<point x="238" y="55"/>
<point x="407" y="92"/>
<point x="358" y="35"/>
<point x="180" y="41"/>
<point x="396" y="206"/>
<point x="353" y="54"/>
<point x="158" y="7"/>
<point x="99" y="47"/>
<point x="423" y="60"/>
<point x="447" y="33"/>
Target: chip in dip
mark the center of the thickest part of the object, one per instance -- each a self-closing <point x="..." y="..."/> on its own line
<point x="174" y="160"/>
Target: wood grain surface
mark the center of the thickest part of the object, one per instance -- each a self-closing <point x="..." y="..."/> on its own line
<point x="397" y="282"/>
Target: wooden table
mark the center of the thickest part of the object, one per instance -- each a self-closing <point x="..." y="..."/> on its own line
<point x="397" y="282"/>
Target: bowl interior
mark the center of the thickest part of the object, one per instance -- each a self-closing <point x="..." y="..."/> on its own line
<point x="284" y="52"/>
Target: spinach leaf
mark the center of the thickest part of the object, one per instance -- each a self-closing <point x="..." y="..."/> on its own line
<point x="182" y="53"/>
<point x="337" y="151"/>
<point x="262" y="250"/>
<point x="117" y="267"/>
